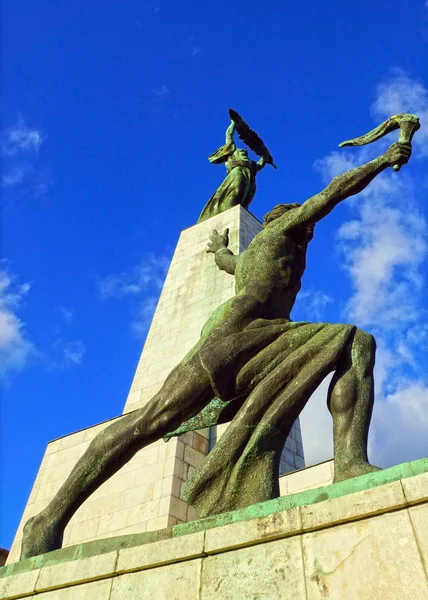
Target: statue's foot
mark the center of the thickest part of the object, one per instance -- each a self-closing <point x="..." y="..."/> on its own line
<point x="41" y="534"/>
<point x="353" y="470"/>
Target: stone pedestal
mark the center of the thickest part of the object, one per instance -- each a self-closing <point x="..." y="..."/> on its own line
<point x="145" y="494"/>
<point x="365" y="538"/>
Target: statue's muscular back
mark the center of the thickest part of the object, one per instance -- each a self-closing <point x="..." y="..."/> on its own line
<point x="272" y="268"/>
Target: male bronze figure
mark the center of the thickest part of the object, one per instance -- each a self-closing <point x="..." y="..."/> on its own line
<point x="252" y="353"/>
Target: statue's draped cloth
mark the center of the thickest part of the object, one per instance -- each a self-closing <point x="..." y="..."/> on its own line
<point x="263" y="377"/>
<point x="238" y="187"/>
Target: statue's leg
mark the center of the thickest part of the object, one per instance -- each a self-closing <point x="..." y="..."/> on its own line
<point x="185" y="392"/>
<point x="350" y="401"/>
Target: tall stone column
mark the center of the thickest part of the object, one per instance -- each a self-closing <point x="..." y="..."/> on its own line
<point x="145" y="494"/>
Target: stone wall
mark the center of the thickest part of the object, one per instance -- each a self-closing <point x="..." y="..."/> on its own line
<point x="366" y="538"/>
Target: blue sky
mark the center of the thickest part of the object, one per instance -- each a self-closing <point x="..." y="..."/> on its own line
<point x="108" y="113"/>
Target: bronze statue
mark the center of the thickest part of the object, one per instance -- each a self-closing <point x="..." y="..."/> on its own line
<point x="255" y="361"/>
<point x="239" y="186"/>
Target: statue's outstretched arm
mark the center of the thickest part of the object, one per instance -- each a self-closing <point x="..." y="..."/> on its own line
<point x="224" y="258"/>
<point x="345" y="185"/>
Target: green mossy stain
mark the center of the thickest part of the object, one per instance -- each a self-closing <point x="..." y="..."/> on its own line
<point x="263" y="509"/>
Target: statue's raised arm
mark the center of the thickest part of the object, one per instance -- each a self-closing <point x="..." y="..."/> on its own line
<point x="356" y="180"/>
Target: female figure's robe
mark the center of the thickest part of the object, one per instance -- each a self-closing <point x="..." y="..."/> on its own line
<point x="239" y="186"/>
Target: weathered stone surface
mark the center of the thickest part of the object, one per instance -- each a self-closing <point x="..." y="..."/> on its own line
<point x="416" y="488"/>
<point x="419" y="520"/>
<point x="179" y="581"/>
<point x="20" y="585"/>
<point x="271" y="571"/>
<point x="97" y="590"/>
<point x="163" y="552"/>
<point x="274" y="556"/>
<point x="374" y="559"/>
<point x="245" y="533"/>
<point x="77" y="571"/>
<point x="309" y="478"/>
<point x="367" y="502"/>
<point x="242" y="527"/>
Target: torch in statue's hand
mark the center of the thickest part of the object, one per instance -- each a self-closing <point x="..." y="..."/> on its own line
<point x="407" y="123"/>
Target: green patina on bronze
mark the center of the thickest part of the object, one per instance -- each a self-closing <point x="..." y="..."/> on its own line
<point x="264" y="509"/>
<point x="261" y="365"/>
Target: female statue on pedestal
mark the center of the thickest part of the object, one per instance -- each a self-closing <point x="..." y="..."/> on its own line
<point x="239" y="186"/>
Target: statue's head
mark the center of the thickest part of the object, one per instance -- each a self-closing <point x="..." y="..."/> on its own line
<point x="240" y="153"/>
<point x="279" y="210"/>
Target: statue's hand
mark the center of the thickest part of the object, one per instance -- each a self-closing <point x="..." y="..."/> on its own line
<point x="218" y="241"/>
<point x="398" y="153"/>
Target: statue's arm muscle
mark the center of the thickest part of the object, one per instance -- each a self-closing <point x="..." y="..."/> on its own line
<point x="341" y="187"/>
<point x="226" y="260"/>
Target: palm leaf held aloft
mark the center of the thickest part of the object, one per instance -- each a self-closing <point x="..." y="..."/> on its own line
<point x="250" y="137"/>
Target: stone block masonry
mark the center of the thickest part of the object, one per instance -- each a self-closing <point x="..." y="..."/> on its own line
<point x="364" y="538"/>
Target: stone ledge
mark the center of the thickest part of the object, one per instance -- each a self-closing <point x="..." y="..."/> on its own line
<point x="300" y="514"/>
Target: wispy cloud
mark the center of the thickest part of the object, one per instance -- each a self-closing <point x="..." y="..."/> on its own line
<point x="72" y="353"/>
<point x="16" y="349"/>
<point x="67" y="314"/>
<point x="20" y="138"/>
<point x="383" y="248"/>
<point x="16" y="175"/>
<point x="312" y="304"/>
<point x="65" y="354"/>
<point x="400" y="93"/>
<point x="19" y="149"/>
<point x="161" y="91"/>
<point x="142" y="284"/>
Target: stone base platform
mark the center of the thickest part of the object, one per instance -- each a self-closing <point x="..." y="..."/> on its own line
<point x="362" y="539"/>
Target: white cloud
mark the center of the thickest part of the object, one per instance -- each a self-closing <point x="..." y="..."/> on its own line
<point x="73" y="353"/>
<point x="400" y="424"/>
<point x="66" y="354"/>
<point x="144" y="315"/>
<point x="382" y="249"/>
<point x="317" y="427"/>
<point x="15" y="347"/>
<point x="312" y="304"/>
<point x="66" y="313"/>
<point x="402" y="94"/>
<point x="20" y="138"/>
<point x="142" y="283"/>
<point x="16" y="175"/>
<point x="161" y="91"/>
<point x="19" y="148"/>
